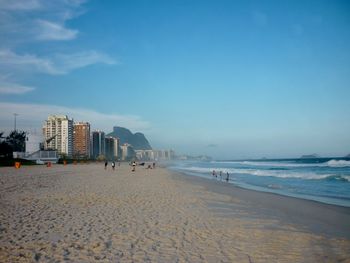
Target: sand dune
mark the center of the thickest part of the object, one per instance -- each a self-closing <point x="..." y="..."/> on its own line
<point x="83" y="213"/>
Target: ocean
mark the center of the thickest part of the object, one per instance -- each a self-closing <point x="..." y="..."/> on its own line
<point x="324" y="180"/>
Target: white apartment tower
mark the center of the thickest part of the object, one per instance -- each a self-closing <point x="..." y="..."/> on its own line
<point x="58" y="134"/>
<point x="116" y="148"/>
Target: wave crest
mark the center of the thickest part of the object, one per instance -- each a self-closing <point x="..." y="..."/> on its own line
<point x="338" y="163"/>
<point x="267" y="173"/>
<point x="293" y="164"/>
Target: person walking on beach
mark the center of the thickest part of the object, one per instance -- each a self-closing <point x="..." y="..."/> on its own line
<point x="113" y="165"/>
<point x="106" y="163"/>
<point x="220" y="176"/>
<point x="214" y="173"/>
<point x="154" y="165"/>
<point x="133" y="166"/>
<point x="227" y="177"/>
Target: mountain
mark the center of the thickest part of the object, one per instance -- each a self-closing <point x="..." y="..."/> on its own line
<point x="137" y="140"/>
<point x="311" y="156"/>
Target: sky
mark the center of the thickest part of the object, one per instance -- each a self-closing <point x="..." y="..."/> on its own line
<point x="230" y="79"/>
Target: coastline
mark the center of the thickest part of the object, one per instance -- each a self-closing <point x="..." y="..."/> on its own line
<point x="313" y="216"/>
<point x="83" y="213"/>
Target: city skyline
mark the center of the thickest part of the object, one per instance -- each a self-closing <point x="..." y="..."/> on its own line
<point x="226" y="79"/>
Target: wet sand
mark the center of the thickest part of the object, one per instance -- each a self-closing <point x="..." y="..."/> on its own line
<point x="312" y="216"/>
<point x="83" y="213"/>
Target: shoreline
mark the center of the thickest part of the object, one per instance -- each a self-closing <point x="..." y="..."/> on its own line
<point x="84" y="213"/>
<point x="315" y="216"/>
<point x="319" y="199"/>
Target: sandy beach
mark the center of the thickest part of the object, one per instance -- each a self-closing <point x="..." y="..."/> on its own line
<point x="83" y="213"/>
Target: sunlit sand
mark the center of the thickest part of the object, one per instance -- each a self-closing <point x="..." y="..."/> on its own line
<point x="83" y="213"/>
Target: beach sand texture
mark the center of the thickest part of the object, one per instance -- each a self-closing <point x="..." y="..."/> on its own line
<point x="83" y="213"/>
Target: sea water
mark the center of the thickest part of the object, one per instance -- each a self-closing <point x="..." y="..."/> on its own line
<point x="325" y="180"/>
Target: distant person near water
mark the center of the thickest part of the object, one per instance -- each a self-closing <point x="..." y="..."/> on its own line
<point x="133" y="166"/>
<point x="154" y="165"/>
<point x="113" y="165"/>
<point x="214" y="173"/>
<point x="106" y="163"/>
<point x="227" y="177"/>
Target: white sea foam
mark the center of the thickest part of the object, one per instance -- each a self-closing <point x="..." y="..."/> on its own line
<point x="272" y="164"/>
<point x="331" y="163"/>
<point x="338" y="163"/>
<point x="346" y="177"/>
<point x="257" y="172"/>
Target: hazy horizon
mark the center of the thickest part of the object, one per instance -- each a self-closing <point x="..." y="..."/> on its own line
<point x="229" y="79"/>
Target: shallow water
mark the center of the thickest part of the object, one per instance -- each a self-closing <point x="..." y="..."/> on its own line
<point x="325" y="180"/>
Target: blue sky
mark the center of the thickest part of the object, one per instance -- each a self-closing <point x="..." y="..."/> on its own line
<point x="231" y="79"/>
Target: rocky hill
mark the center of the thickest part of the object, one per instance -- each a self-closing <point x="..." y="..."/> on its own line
<point x="137" y="140"/>
<point x="310" y="156"/>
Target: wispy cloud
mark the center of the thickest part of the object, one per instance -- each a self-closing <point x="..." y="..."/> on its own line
<point x="38" y="20"/>
<point x="16" y="5"/>
<point x="54" y="65"/>
<point x="14" y="88"/>
<point x="26" y="62"/>
<point x="33" y="115"/>
<point x="68" y="62"/>
<point x="24" y="21"/>
<point x="47" y="30"/>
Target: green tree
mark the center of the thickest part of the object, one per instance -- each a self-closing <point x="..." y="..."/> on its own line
<point x="17" y="141"/>
<point x="5" y="148"/>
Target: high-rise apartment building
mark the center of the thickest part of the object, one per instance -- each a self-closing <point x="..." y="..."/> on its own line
<point x="109" y="148"/>
<point x="58" y="134"/>
<point x="128" y="152"/>
<point x="117" y="150"/>
<point x="98" y="144"/>
<point x="81" y="146"/>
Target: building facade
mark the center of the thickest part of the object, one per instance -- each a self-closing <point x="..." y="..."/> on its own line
<point x="128" y="152"/>
<point x="58" y="134"/>
<point x="98" y="144"/>
<point x="109" y="148"/>
<point x="117" y="150"/>
<point x="81" y="145"/>
<point x="155" y="155"/>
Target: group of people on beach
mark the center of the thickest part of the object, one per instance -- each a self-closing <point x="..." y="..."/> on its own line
<point x="133" y="164"/>
<point x="113" y="165"/>
<point x="214" y="174"/>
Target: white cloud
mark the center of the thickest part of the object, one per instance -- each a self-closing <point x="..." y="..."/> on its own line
<point x="55" y="65"/>
<point x="24" y="21"/>
<point x="32" y="116"/>
<point x="37" y="20"/>
<point x="26" y="62"/>
<point x="68" y="62"/>
<point x="14" y="88"/>
<point x="47" y="30"/>
<point x="20" y="4"/>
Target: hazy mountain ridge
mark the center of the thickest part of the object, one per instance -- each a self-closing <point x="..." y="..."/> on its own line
<point x="310" y="156"/>
<point x="137" y="140"/>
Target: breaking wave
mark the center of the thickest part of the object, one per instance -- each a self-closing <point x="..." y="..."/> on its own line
<point x="330" y="163"/>
<point x="271" y="173"/>
<point x="338" y="163"/>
